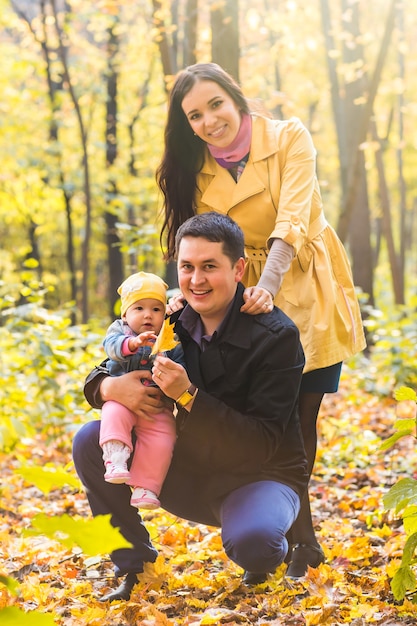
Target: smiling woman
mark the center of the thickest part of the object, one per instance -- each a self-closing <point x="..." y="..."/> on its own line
<point x="220" y="157"/>
<point x="213" y="114"/>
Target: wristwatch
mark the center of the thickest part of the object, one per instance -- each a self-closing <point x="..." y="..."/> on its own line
<point x="187" y="396"/>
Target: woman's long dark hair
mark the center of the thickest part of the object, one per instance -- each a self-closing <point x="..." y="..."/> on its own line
<point x="184" y="152"/>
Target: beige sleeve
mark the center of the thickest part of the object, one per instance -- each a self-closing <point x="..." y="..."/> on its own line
<point x="277" y="264"/>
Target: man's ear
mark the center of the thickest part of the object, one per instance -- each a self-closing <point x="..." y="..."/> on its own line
<point x="239" y="269"/>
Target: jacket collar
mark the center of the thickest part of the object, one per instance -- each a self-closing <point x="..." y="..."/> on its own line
<point x="206" y="367"/>
<point x="236" y="329"/>
<point x="222" y="186"/>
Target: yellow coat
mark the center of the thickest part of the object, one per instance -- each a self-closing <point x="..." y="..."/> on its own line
<point x="278" y="195"/>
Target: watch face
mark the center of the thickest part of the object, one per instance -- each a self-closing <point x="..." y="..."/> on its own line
<point x="187" y="397"/>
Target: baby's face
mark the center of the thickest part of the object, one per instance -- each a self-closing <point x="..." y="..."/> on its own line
<point x="145" y="315"/>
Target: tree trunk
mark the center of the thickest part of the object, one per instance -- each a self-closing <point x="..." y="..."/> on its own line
<point x="114" y="256"/>
<point x="352" y="125"/>
<point x="354" y="174"/>
<point x="346" y="115"/>
<point x="359" y="226"/>
<point x="85" y="267"/>
<point x="277" y="111"/>
<point x="166" y="50"/>
<point x="225" y="36"/>
<point x="404" y="227"/>
<point x="190" y="33"/>
<point x="54" y="87"/>
<point x="394" y="260"/>
<point x="360" y="248"/>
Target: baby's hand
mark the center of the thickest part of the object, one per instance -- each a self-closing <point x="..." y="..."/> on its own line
<point x="143" y="339"/>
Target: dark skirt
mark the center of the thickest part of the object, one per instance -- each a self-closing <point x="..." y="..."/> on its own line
<point x="323" y="380"/>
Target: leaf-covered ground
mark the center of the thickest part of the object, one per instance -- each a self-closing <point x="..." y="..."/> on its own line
<point x="193" y="582"/>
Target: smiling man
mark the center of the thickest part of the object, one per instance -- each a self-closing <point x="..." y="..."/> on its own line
<point x="239" y="461"/>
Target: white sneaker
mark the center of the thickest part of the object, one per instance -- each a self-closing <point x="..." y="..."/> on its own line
<point x="115" y="456"/>
<point x="144" y="499"/>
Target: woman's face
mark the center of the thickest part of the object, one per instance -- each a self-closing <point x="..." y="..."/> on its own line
<point x="212" y="114"/>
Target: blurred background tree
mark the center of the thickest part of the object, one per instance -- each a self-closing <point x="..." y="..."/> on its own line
<point x="84" y="88"/>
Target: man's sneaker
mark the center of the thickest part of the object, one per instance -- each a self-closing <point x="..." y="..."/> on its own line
<point x="144" y="499"/>
<point x="115" y="456"/>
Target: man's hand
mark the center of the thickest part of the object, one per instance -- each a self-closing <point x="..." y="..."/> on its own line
<point x="171" y="377"/>
<point x="129" y="391"/>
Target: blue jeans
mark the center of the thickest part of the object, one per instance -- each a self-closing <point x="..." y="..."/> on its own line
<point x="254" y="519"/>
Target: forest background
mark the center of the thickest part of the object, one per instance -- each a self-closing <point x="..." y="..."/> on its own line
<point x="84" y="87"/>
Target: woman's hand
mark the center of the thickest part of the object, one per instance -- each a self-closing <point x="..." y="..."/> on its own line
<point x="257" y="300"/>
<point x="132" y="393"/>
<point x="175" y="303"/>
<point x="170" y="377"/>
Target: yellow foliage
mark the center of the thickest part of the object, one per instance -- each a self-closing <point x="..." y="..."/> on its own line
<point x="192" y="582"/>
<point x="95" y="614"/>
<point x="392" y="567"/>
<point x="155" y="574"/>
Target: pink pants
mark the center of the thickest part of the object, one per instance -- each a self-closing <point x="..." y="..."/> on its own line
<point x="155" y="440"/>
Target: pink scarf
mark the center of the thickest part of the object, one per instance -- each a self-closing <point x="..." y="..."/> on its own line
<point x="234" y="153"/>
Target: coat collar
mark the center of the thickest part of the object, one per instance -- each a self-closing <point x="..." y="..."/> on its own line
<point x="222" y="192"/>
<point x="236" y="329"/>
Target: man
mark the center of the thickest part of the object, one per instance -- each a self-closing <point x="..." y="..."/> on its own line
<point x="239" y="461"/>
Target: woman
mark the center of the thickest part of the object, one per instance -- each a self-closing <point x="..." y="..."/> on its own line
<point x="261" y="172"/>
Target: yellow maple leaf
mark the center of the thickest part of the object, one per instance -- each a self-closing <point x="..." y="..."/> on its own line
<point x="166" y="338"/>
<point x="155" y="574"/>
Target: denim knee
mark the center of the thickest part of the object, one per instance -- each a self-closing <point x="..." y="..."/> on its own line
<point x="86" y="452"/>
<point x="257" y="550"/>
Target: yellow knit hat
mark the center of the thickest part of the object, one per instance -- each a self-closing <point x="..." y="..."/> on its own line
<point x="139" y="286"/>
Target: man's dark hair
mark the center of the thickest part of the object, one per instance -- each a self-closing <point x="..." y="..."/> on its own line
<point x="214" y="227"/>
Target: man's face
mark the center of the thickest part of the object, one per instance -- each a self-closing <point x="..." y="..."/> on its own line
<point x="207" y="278"/>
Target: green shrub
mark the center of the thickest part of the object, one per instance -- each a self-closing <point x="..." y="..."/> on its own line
<point x="402" y="498"/>
<point x="44" y="360"/>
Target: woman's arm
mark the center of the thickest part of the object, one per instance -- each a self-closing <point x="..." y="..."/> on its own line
<point x="295" y="184"/>
<point x="277" y="265"/>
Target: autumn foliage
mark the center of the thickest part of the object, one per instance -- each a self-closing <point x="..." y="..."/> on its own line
<point x="78" y="198"/>
<point x="54" y="566"/>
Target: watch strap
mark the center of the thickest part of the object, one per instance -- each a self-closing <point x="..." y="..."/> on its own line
<point x="187" y="396"/>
